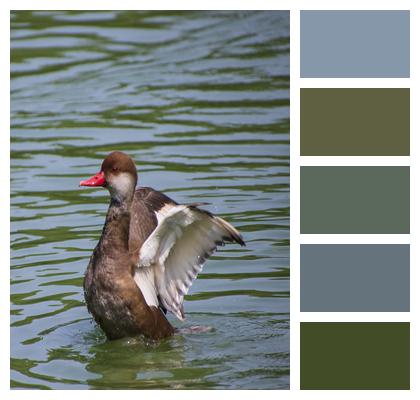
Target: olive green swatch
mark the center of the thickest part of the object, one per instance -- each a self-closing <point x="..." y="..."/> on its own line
<point x="355" y="122"/>
<point x="355" y="200"/>
<point x="355" y="355"/>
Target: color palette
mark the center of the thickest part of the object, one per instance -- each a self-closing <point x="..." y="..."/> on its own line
<point x="355" y="44"/>
<point x="347" y="196"/>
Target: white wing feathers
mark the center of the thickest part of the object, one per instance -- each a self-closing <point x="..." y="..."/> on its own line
<point x="173" y="255"/>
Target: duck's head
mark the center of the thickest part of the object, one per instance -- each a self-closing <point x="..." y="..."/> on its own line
<point x="118" y="174"/>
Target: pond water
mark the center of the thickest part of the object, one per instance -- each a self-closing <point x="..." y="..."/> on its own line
<point x="200" y="100"/>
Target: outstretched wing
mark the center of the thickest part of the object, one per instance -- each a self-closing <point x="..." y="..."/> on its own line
<point x="174" y="254"/>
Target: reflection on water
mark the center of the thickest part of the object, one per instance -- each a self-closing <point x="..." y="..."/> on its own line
<point x="200" y="100"/>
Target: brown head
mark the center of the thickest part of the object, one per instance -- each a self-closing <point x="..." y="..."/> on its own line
<point x="118" y="174"/>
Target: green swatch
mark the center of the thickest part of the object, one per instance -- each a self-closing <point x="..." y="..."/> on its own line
<point x="355" y="355"/>
<point x="355" y="122"/>
<point x="351" y="200"/>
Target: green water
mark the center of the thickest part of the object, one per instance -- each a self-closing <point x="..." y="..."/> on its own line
<point x="201" y="102"/>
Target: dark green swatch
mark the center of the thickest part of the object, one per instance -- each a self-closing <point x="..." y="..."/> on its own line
<point x="355" y="122"/>
<point x="355" y="199"/>
<point x="355" y="355"/>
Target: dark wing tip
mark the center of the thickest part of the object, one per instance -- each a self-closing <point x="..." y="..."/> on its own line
<point x="238" y="239"/>
<point x="234" y="235"/>
<point x="241" y="241"/>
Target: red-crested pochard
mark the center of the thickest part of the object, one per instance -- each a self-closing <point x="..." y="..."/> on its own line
<point x="150" y="252"/>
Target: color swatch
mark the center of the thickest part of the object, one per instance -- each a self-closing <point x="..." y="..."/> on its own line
<point x="355" y="44"/>
<point x="355" y="122"/>
<point x="355" y="355"/>
<point x="355" y="199"/>
<point x="355" y="278"/>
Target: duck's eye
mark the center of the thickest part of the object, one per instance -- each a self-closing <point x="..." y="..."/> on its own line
<point x="114" y="169"/>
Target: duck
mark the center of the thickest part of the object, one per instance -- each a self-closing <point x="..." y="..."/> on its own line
<point x="150" y="251"/>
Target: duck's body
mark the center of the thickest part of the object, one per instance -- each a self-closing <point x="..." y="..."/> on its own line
<point x="150" y="251"/>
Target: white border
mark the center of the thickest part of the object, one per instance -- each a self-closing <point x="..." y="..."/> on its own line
<point x="294" y="6"/>
<point x="354" y="161"/>
<point x="355" y="239"/>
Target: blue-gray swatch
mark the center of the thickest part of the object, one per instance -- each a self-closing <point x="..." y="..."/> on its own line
<point x="355" y="278"/>
<point x="355" y="44"/>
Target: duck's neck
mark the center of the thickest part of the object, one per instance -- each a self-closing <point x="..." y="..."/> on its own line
<point x="115" y="234"/>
